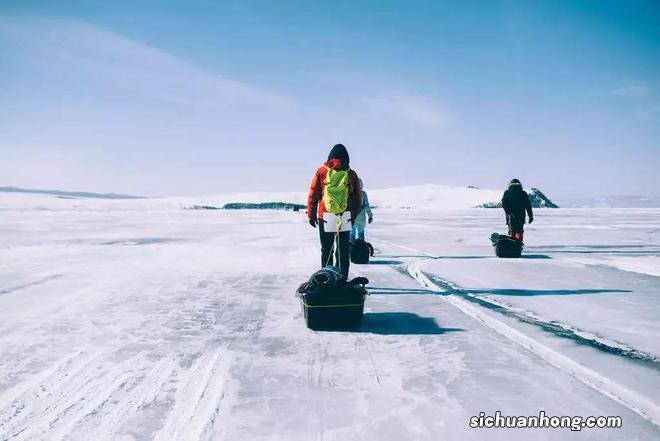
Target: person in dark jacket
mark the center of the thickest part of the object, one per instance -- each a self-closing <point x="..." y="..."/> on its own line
<point x="515" y="203"/>
<point x="334" y="226"/>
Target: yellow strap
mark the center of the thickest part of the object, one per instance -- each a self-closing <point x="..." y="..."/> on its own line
<point x="329" y="306"/>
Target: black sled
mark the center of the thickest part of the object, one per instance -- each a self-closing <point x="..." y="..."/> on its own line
<point x="361" y="251"/>
<point x="329" y="302"/>
<point x="505" y="246"/>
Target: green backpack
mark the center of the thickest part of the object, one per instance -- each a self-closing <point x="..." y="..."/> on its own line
<point x="335" y="191"/>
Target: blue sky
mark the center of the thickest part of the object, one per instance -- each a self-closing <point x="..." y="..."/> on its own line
<point x="172" y="98"/>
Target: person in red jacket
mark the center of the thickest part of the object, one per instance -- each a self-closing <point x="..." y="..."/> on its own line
<point x="332" y="225"/>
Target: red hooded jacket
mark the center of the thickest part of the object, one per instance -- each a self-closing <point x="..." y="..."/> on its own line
<point x="315" y="205"/>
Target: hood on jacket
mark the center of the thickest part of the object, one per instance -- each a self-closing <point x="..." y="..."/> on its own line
<point x="515" y="183"/>
<point x="340" y="152"/>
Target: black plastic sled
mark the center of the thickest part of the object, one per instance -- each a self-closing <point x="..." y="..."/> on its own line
<point x="335" y="305"/>
<point x="360" y="251"/>
<point x="505" y="246"/>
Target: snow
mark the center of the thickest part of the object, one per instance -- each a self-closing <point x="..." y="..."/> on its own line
<point x="642" y="264"/>
<point x="630" y="201"/>
<point x="433" y="196"/>
<point x="138" y="320"/>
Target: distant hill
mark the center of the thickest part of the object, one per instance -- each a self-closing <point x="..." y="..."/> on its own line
<point x="432" y="196"/>
<point x="429" y="196"/>
<point x="264" y="206"/>
<point x="536" y="197"/>
<point x="287" y="206"/>
<point x="69" y="194"/>
<point x="416" y="197"/>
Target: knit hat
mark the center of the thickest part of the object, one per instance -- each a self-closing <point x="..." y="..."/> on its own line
<point x="340" y="152"/>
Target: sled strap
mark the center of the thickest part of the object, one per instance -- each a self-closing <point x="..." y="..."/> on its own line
<point x="331" y="306"/>
<point x="335" y="244"/>
<point x="337" y="241"/>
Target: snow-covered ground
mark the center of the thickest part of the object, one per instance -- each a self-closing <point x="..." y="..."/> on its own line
<point x="170" y="324"/>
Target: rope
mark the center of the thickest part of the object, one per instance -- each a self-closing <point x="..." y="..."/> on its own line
<point x="332" y="250"/>
<point x="337" y="240"/>
<point x="335" y="244"/>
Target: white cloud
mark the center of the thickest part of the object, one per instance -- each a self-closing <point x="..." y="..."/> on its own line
<point x="636" y="91"/>
<point x="89" y="54"/>
<point x="379" y="99"/>
<point x="413" y="108"/>
<point x="648" y="114"/>
<point x="87" y="108"/>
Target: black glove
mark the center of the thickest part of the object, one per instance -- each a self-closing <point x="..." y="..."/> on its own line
<point x="371" y="219"/>
<point x="313" y="222"/>
<point x="531" y="219"/>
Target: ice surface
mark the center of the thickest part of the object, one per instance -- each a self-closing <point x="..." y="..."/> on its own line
<point x="140" y="324"/>
<point x="642" y="264"/>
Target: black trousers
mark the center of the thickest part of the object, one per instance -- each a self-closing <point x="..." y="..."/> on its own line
<point x="516" y="223"/>
<point x="341" y="258"/>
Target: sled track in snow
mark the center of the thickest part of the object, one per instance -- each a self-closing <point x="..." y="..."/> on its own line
<point x="198" y="399"/>
<point x="556" y="328"/>
<point x="559" y="329"/>
<point x="464" y="302"/>
<point x="142" y="391"/>
<point x="84" y="395"/>
<point x="622" y="395"/>
<point x="56" y="402"/>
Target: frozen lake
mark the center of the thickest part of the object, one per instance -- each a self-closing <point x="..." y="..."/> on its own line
<point x="183" y="325"/>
